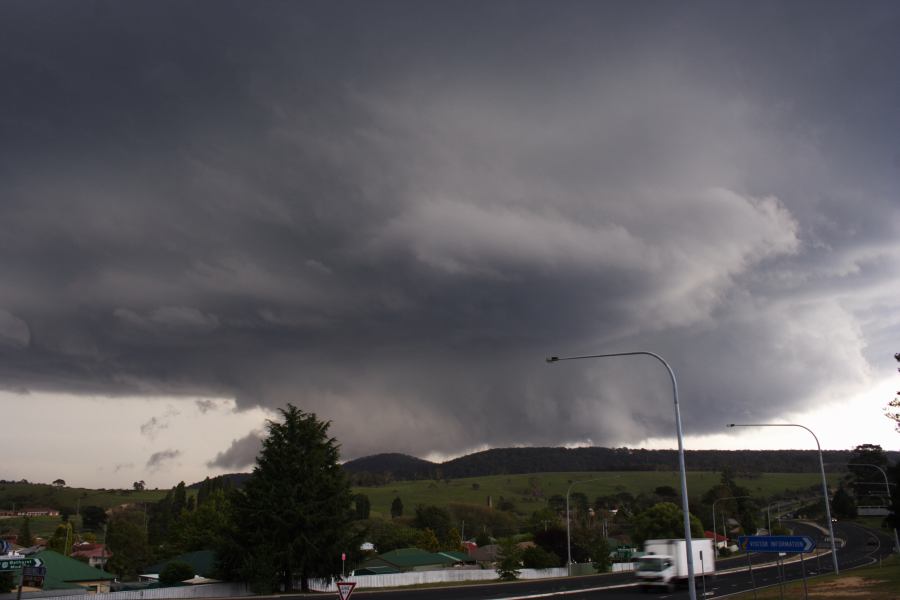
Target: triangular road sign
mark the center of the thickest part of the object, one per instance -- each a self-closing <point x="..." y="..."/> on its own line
<point x="345" y="588"/>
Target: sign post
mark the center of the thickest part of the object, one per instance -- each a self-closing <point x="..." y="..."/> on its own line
<point x="345" y="588"/>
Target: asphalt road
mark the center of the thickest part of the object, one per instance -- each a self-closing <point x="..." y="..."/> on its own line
<point x="861" y="547"/>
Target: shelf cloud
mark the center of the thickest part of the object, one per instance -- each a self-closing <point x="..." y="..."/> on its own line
<point x="390" y="214"/>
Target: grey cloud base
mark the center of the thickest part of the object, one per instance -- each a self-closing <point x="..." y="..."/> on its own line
<point x="347" y="208"/>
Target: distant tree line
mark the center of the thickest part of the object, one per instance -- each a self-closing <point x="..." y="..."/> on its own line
<point x="384" y="468"/>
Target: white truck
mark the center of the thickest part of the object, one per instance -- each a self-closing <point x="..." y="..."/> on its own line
<point x="664" y="563"/>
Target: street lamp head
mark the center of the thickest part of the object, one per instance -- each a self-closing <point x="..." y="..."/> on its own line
<point x="552" y="359"/>
<point x="730" y="425"/>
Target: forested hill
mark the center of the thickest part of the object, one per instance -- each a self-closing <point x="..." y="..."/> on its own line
<point x="372" y="470"/>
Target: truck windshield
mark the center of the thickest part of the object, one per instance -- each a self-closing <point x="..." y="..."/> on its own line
<point x="648" y="563"/>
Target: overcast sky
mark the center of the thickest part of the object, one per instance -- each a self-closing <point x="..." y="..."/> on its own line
<point x="389" y="213"/>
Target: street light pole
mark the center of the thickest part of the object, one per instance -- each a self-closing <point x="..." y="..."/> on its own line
<point x="824" y="482"/>
<point x="890" y="499"/>
<point x="724" y="533"/>
<point x="692" y="589"/>
<point x="568" y="526"/>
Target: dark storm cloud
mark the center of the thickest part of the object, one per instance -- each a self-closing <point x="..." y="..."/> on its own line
<point x="389" y="214"/>
<point x="158" y="460"/>
<point x="241" y="454"/>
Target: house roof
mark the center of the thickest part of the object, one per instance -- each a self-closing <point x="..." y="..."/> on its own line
<point x="376" y="570"/>
<point x="718" y="538"/>
<point x="202" y="561"/>
<point x="62" y="570"/>
<point x="408" y="558"/>
<point x="91" y="550"/>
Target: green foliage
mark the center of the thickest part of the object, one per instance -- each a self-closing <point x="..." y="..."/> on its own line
<point x="25" y="537"/>
<point x="482" y="539"/>
<point x="661" y="521"/>
<point x="843" y="505"/>
<point x="893" y="410"/>
<point x="620" y="490"/>
<point x="204" y="528"/>
<point x="175" y="572"/>
<point x="599" y="552"/>
<point x="62" y="539"/>
<point x="553" y="540"/>
<point x="93" y="517"/>
<point x="293" y="514"/>
<point x="390" y="535"/>
<point x="479" y="517"/>
<point x="536" y="557"/>
<point x="127" y="540"/>
<point x="509" y="559"/>
<point x="396" y="507"/>
<point x="362" y="506"/>
<point x="427" y="540"/>
<point x="867" y="480"/>
<point x="437" y="520"/>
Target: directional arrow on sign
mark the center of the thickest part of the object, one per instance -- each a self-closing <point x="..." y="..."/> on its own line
<point x="777" y="543"/>
<point x="14" y="564"/>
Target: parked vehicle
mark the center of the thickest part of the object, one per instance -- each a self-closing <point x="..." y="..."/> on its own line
<point x="664" y="563"/>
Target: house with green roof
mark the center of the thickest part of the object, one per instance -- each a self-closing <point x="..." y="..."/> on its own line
<point x="64" y="573"/>
<point x="412" y="559"/>
<point x="203" y="562"/>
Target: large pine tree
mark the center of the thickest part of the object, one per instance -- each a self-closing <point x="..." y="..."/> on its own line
<point x="293" y="515"/>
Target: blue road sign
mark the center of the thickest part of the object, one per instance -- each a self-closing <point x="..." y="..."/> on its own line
<point x="776" y="543"/>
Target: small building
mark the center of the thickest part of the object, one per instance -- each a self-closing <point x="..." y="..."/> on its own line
<point x="97" y="555"/>
<point x="67" y="573"/>
<point x="203" y="562"/>
<point x="720" y="541"/>
<point x="37" y="512"/>
<point x="414" y="559"/>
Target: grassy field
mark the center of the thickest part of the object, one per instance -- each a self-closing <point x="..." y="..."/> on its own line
<point x="530" y="492"/>
<point x="878" y="582"/>
<point x="36" y="495"/>
<point x="20" y="495"/>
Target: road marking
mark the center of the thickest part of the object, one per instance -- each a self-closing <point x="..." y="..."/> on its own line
<point x="570" y="592"/>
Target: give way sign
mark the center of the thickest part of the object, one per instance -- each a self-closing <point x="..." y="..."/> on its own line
<point x="345" y="588"/>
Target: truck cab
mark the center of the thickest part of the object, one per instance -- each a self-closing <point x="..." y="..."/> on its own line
<point x="656" y="570"/>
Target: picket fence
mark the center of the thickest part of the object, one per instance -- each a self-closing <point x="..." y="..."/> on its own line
<point x="420" y="577"/>
<point x="209" y="590"/>
<point x="225" y="590"/>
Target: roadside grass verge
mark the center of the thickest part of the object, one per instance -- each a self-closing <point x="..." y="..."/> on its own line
<point x="877" y="582"/>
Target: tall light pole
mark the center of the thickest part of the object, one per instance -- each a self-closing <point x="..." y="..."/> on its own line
<point x="692" y="588"/>
<point x="568" y="521"/>
<point x="724" y="533"/>
<point x="824" y="482"/>
<point x="887" y="486"/>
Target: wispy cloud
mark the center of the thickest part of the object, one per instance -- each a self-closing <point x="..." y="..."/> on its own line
<point x="158" y="460"/>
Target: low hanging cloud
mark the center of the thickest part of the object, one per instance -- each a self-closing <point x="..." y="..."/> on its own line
<point x="158" y="460"/>
<point x="392" y="233"/>
<point x="241" y="454"/>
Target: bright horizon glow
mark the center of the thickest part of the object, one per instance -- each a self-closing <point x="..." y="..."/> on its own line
<point x="126" y="432"/>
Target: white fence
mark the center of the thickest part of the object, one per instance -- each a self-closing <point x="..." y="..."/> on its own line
<point x="444" y="576"/>
<point x="209" y="590"/>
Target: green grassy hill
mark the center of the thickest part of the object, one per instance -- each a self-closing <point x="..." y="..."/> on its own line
<point x="37" y="495"/>
<point x="530" y="492"/>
